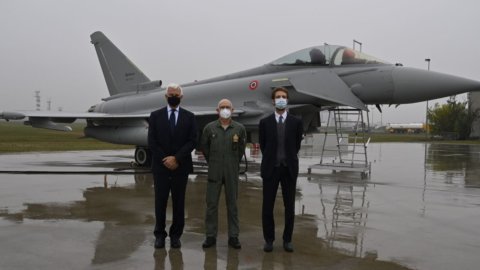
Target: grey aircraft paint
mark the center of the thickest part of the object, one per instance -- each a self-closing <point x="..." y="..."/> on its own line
<point x="317" y="77"/>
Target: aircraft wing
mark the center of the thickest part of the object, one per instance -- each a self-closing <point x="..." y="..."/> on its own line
<point x="49" y="119"/>
<point x="65" y="117"/>
<point x="209" y="111"/>
<point x="325" y="85"/>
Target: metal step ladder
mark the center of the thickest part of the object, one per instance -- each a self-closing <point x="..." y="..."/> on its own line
<point x="352" y="139"/>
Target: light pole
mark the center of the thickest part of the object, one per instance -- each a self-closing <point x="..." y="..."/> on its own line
<point x="425" y="156"/>
<point x="426" y="111"/>
<point x="357" y="42"/>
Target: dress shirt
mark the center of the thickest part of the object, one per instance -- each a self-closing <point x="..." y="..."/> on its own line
<point x="170" y="111"/>
<point x="277" y="116"/>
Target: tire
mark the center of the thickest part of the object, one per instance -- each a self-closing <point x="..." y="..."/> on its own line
<point x="143" y="157"/>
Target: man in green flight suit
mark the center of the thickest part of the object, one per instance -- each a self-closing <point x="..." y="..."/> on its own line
<point x="223" y="145"/>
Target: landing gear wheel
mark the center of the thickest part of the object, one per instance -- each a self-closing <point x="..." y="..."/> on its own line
<point x="143" y="157"/>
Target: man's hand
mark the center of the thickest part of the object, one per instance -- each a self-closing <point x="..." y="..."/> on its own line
<point x="170" y="162"/>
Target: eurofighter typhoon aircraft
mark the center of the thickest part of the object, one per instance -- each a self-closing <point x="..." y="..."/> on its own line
<point x="317" y="77"/>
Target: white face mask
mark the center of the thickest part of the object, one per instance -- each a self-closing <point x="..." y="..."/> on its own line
<point x="281" y="103"/>
<point x="225" y="113"/>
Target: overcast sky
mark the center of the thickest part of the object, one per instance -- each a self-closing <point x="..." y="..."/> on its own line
<point x="45" y="45"/>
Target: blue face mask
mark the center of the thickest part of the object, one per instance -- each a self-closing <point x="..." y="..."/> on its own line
<point x="280" y="103"/>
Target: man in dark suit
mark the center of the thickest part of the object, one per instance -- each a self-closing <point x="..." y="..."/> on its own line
<point x="280" y="136"/>
<point x="172" y="136"/>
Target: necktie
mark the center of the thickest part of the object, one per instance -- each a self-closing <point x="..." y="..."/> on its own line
<point x="280" y="120"/>
<point x="172" y="120"/>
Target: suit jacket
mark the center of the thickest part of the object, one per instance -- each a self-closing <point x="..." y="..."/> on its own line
<point x="163" y="144"/>
<point x="268" y="144"/>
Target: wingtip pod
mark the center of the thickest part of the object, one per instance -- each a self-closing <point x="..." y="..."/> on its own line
<point x="11" y="116"/>
<point x="415" y="85"/>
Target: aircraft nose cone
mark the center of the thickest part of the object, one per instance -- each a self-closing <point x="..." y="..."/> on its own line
<point x="414" y="85"/>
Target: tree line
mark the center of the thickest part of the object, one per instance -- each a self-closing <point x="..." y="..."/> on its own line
<point x="452" y="120"/>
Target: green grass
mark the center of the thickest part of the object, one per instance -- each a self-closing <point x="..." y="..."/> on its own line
<point x="16" y="137"/>
<point x="387" y="137"/>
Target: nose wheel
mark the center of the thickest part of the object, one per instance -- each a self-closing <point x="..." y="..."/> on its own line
<point x="143" y="157"/>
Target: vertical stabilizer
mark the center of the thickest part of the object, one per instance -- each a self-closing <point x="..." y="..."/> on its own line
<point x="121" y="75"/>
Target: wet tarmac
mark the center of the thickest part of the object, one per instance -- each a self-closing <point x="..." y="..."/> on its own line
<point x="418" y="209"/>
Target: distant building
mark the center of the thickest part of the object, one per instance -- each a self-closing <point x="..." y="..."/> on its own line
<point x="406" y="128"/>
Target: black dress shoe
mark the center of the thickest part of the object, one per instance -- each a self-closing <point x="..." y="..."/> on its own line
<point x="175" y="243"/>
<point x="268" y="247"/>
<point x="209" y="242"/>
<point x="288" y="246"/>
<point x="234" y="243"/>
<point x="159" y="242"/>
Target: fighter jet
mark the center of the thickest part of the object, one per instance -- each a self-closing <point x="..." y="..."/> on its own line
<point x="318" y="77"/>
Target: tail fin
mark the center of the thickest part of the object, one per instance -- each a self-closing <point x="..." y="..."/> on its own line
<point x="120" y="73"/>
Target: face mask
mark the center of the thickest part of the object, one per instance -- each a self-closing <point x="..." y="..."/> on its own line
<point x="280" y="103"/>
<point x="173" y="101"/>
<point x="225" y="113"/>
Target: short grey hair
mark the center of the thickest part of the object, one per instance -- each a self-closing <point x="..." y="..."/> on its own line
<point x="175" y="86"/>
<point x="224" y="99"/>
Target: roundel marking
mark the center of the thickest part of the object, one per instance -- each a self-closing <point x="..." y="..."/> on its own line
<point x="253" y="85"/>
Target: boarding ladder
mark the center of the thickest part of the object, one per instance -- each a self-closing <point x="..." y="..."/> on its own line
<point x="352" y="139"/>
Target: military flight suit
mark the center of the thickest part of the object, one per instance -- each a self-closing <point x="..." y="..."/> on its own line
<point x="223" y="150"/>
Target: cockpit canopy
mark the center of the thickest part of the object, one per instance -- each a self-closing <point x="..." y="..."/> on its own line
<point x="327" y="55"/>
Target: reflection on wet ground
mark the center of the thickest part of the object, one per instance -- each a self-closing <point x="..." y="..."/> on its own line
<point x="418" y="209"/>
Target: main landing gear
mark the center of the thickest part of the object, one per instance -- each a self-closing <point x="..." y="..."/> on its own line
<point x="143" y="156"/>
